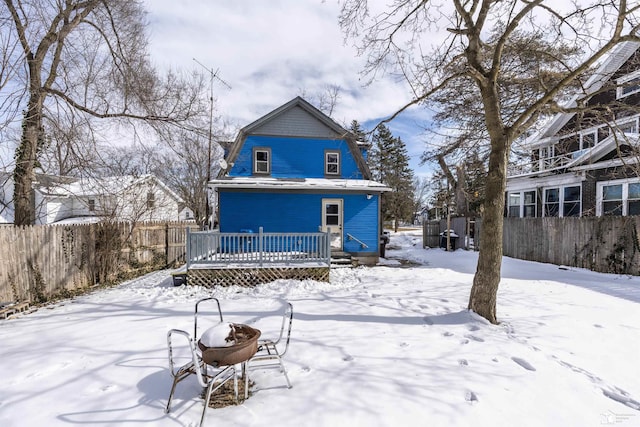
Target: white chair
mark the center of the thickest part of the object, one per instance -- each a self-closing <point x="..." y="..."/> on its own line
<point x="271" y="351"/>
<point x="196" y="365"/>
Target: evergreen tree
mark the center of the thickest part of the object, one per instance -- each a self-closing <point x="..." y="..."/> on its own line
<point x="356" y="129"/>
<point x="389" y="164"/>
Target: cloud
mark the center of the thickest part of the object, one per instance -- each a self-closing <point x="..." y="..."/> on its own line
<point x="269" y="52"/>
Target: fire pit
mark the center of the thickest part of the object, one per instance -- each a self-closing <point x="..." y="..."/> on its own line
<point x="245" y="345"/>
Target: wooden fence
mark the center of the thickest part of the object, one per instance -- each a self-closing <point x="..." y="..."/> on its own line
<point x="40" y="262"/>
<point x="464" y="228"/>
<point x="605" y="244"/>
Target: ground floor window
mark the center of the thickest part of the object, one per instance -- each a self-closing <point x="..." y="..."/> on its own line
<point x="514" y="205"/>
<point x="562" y="201"/>
<point x="618" y="198"/>
<point x="552" y="202"/>
<point x="522" y="204"/>
<point x="571" y="203"/>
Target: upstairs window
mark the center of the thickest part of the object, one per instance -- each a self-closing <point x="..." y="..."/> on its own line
<point x="332" y="163"/>
<point x="151" y="200"/>
<point x="91" y="203"/>
<point x="261" y="161"/>
<point x="628" y="85"/>
<point x="628" y="127"/>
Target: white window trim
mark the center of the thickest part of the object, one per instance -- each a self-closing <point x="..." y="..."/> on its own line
<point x="326" y="163"/>
<point x="624" y="79"/>
<point x="257" y="150"/>
<point x="560" y="199"/>
<point x="625" y="193"/>
<point x="522" y="204"/>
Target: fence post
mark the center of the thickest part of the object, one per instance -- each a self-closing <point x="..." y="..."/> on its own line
<point x="188" y="247"/>
<point x="260" y="245"/>
<point x="327" y="253"/>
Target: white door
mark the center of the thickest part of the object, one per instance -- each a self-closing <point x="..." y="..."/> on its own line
<point x="332" y="219"/>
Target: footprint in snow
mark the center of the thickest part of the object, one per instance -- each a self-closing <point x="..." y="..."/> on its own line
<point x="348" y="358"/>
<point x="622" y="397"/>
<point x="473" y="328"/>
<point x="526" y="365"/>
<point x="404" y="344"/>
<point x="463" y="362"/>
<point x="473" y="337"/>
<point x="464" y="341"/>
<point x="597" y="326"/>
<point x="470" y="397"/>
<point x="447" y="334"/>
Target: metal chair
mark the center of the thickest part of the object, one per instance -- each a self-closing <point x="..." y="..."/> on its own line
<point x="196" y="366"/>
<point x="272" y="351"/>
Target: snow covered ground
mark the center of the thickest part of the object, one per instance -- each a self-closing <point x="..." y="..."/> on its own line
<point x="391" y="345"/>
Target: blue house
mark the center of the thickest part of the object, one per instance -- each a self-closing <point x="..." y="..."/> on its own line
<point x="296" y="170"/>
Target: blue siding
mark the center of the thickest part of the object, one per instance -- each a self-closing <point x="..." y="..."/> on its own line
<point x="299" y="212"/>
<point x="295" y="157"/>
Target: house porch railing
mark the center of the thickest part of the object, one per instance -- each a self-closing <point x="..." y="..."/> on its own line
<point x="257" y="249"/>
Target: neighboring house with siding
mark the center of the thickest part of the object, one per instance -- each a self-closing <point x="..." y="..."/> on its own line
<point x="296" y="170"/>
<point x="122" y="198"/>
<point x="585" y="164"/>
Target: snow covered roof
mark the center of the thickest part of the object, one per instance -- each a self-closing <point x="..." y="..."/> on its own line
<point x="88" y="187"/>
<point x="616" y="59"/>
<point x="80" y="220"/>
<point x="355" y="185"/>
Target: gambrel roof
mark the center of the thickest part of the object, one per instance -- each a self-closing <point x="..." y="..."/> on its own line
<point x="297" y="118"/>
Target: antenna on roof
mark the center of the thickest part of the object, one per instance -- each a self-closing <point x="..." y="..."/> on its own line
<point x="214" y="74"/>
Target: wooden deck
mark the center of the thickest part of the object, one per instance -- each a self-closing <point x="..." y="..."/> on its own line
<point x="249" y="259"/>
<point x="250" y="275"/>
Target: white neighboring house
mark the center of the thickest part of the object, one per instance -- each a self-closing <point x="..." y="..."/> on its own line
<point x="121" y="198"/>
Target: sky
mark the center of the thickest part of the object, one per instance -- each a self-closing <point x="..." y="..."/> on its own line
<point x="270" y="52"/>
<point x="384" y="346"/>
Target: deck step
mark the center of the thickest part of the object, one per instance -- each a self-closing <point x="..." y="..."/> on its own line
<point x="341" y="259"/>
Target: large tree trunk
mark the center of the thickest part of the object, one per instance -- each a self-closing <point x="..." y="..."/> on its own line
<point x="26" y="158"/>
<point x="487" y="278"/>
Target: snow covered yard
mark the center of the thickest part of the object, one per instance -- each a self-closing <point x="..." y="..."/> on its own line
<point x="391" y="345"/>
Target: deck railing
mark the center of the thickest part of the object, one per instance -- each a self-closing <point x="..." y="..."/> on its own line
<point x="258" y="249"/>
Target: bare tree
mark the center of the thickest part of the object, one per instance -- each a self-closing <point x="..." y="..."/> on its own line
<point x="325" y="100"/>
<point x="514" y="58"/>
<point x="421" y="193"/>
<point x="83" y="59"/>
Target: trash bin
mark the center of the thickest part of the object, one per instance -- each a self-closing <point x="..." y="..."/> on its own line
<point x="384" y="239"/>
<point x="179" y="279"/>
<point x="453" y="237"/>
